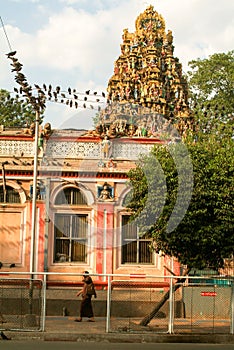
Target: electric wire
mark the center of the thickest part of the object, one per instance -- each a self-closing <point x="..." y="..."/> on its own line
<point x="8" y="41"/>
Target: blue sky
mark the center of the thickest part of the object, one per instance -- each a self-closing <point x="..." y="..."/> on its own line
<point x="75" y="42"/>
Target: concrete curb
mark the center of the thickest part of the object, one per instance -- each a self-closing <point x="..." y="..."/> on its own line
<point x="144" y="338"/>
<point x="65" y="329"/>
<point x="124" y="338"/>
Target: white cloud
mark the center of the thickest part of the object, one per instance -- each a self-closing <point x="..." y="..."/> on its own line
<point x="78" y="43"/>
<point x="78" y="39"/>
<point x="72" y="2"/>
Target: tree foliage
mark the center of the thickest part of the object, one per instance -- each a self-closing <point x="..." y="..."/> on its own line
<point x="211" y="89"/>
<point x="14" y="112"/>
<point x="190" y="214"/>
<point x="202" y="235"/>
<point x="211" y="82"/>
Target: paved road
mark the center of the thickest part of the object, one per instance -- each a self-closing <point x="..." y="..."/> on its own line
<point x="41" y="345"/>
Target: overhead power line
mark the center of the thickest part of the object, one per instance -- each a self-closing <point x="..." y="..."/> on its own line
<point x="6" y="34"/>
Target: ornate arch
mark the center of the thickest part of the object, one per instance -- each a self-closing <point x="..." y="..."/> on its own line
<point x="83" y="189"/>
<point x="18" y="188"/>
<point x="123" y="196"/>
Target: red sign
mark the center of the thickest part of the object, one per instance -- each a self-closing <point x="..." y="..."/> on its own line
<point x="208" y="294"/>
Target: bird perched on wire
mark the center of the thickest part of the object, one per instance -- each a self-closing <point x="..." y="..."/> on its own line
<point x="10" y="54"/>
<point x="17" y="67"/>
<point x="21" y="76"/>
<point x="15" y="60"/>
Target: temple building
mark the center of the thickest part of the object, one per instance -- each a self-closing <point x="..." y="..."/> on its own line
<point x="81" y="220"/>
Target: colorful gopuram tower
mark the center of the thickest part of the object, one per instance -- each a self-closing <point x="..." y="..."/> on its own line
<point x="148" y="85"/>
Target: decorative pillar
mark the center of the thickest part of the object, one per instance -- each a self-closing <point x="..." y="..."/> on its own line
<point x="104" y="249"/>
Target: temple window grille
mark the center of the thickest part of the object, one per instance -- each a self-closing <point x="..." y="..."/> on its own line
<point x="11" y="195"/>
<point x="135" y="248"/>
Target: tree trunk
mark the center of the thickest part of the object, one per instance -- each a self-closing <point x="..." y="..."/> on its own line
<point x="153" y="313"/>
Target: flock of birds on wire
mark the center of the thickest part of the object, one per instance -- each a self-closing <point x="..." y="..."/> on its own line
<point x="70" y="97"/>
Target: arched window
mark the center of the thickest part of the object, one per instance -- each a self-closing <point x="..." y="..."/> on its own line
<point x="70" y="196"/>
<point x="10" y="195"/>
<point x="70" y="228"/>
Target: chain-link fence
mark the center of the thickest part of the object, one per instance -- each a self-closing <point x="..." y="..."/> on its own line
<point x="206" y="306"/>
<point x="20" y="304"/>
<point x="158" y="304"/>
<point x="132" y="301"/>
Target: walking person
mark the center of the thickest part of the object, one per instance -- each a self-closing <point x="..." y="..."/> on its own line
<point x="88" y="290"/>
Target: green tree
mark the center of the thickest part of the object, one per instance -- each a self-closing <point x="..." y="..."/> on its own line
<point x="14" y="112"/>
<point x="201" y="233"/>
<point x="211" y="81"/>
<point x="211" y="85"/>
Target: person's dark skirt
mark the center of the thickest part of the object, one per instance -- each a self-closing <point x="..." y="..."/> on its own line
<point x="86" y="309"/>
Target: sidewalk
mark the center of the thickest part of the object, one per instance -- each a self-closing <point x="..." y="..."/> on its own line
<point x="61" y="328"/>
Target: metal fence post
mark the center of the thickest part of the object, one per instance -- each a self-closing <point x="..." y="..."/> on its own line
<point x="171" y="307"/>
<point x="232" y="309"/>
<point x="43" y="302"/>
<point x="108" y="304"/>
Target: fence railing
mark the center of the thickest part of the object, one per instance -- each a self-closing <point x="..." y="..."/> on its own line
<point x="156" y="304"/>
<point x="21" y="303"/>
